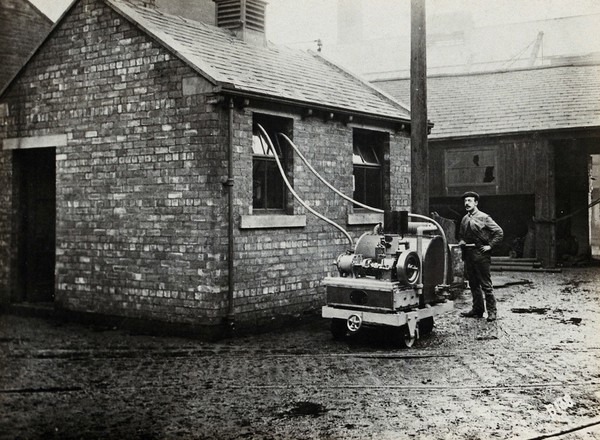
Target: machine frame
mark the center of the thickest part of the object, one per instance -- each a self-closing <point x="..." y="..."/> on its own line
<point x="387" y="287"/>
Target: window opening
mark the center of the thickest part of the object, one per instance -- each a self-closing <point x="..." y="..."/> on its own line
<point x="471" y="168"/>
<point x="367" y="148"/>
<point x="268" y="188"/>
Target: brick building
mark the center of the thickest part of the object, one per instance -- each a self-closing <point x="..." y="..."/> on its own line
<point x="134" y="179"/>
<point x="22" y="28"/>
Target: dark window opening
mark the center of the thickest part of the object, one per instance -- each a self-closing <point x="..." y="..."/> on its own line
<point x="268" y="188"/>
<point x="367" y="157"/>
<point x="467" y="169"/>
<point x="489" y="175"/>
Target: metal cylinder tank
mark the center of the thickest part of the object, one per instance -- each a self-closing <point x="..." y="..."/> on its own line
<point x="432" y="264"/>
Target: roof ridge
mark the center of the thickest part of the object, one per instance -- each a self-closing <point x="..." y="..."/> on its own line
<point x="272" y="71"/>
<point x="229" y="76"/>
<point x="590" y="63"/>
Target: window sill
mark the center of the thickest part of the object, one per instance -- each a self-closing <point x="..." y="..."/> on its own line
<point x="365" y="218"/>
<point x="272" y="221"/>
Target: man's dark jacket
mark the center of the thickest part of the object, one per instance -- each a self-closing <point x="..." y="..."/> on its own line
<point x="485" y="230"/>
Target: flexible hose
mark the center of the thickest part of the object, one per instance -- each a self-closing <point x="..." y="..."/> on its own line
<point x="370" y="208"/>
<point x="329" y="185"/>
<point x="289" y="186"/>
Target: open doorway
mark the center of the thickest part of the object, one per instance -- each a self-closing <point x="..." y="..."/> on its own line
<point x="577" y="188"/>
<point x="35" y="176"/>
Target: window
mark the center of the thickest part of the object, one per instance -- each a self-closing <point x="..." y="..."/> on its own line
<point x="367" y="157"/>
<point x="473" y="168"/>
<point x="268" y="188"/>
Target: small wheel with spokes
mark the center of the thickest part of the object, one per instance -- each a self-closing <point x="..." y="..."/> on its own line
<point x="405" y="340"/>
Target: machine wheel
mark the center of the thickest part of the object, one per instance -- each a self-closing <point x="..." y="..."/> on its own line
<point x="404" y="338"/>
<point x="338" y="328"/>
<point x="425" y="326"/>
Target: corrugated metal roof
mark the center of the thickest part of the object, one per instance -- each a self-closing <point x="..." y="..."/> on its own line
<point x="273" y="71"/>
<point x="555" y="98"/>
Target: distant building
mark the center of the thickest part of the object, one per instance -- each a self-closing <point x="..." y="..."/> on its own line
<point x="528" y="141"/>
<point x="136" y="182"/>
<point x="22" y="28"/>
<point x="457" y="44"/>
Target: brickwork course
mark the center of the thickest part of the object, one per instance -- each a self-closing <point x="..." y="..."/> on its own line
<point x="140" y="99"/>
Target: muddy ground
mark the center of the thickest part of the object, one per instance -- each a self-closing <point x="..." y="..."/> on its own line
<point x="534" y="373"/>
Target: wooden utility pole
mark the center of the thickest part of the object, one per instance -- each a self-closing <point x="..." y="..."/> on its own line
<point x="418" y="107"/>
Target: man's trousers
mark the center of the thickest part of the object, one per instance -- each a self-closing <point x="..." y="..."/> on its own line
<point x="480" y="282"/>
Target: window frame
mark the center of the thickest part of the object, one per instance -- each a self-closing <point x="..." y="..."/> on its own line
<point x="272" y="125"/>
<point x="368" y="153"/>
<point x="471" y="154"/>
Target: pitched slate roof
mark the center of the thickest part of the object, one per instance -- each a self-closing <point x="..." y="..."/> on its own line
<point x="272" y="71"/>
<point x="554" y="98"/>
<point x="22" y="28"/>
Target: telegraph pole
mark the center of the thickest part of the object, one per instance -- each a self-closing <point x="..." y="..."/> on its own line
<point x="418" y="107"/>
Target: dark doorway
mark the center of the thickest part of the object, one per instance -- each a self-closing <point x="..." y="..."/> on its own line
<point x="35" y="171"/>
<point x="572" y="199"/>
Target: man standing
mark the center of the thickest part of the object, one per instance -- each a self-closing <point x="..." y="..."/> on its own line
<point x="478" y="235"/>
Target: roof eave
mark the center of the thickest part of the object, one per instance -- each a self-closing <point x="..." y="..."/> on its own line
<point x="547" y="132"/>
<point x="307" y="104"/>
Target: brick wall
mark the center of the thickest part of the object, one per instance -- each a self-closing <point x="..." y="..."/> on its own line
<point x="141" y="208"/>
<point x="6" y="242"/>
<point x="279" y="271"/>
<point x="138" y="185"/>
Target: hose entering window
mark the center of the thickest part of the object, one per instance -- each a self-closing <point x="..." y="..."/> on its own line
<point x="291" y="189"/>
<point x="329" y="185"/>
<point x="370" y="208"/>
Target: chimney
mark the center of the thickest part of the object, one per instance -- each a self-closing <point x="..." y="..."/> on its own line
<point x="246" y="18"/>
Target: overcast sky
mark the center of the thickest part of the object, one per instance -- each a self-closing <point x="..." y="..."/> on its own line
<point x="291" y="21"/>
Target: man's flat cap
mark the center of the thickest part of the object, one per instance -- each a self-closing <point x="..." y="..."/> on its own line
<point x="471" y="194"/>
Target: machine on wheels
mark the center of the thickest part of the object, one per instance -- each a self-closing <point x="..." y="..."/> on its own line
<point x="398" y="280"/>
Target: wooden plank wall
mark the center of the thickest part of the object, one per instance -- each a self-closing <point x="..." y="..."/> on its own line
<point x="515" y="171"/>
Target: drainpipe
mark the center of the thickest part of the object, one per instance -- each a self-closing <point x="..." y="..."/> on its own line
<point x="229" y="183"/>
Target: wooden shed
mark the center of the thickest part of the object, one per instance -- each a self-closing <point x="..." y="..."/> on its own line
<point x="526" y="140"/>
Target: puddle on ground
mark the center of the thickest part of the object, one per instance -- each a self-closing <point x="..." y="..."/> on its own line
<point x="302" y="409"/>
<point x="538" y="310"/>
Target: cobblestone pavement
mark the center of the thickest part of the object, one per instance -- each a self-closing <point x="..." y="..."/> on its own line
<point x="534" y="373"/>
